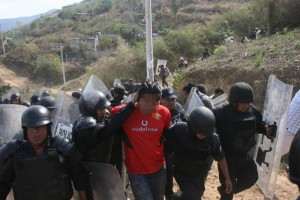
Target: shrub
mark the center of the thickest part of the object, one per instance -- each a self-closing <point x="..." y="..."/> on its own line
<point x="48" y="66"/>
<point x="220" y="50"/>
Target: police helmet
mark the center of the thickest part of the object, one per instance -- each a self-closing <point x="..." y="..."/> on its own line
<point x="35" y="116"/>
<point x="45" y="93"/>
<point x="35" y="99"/>
<point x="294" y="160"/>
<point x="15" y="96"/>
<point x="6" y="101"/>
<point x="48" y="102"/>
<point x="149" y="88"/>
<point x="201" y="120"/>
<point x="76" y="94"/>
<point x="91" y="101"/>
<point x="119" y="90"/>
<point x="240" y="92"/>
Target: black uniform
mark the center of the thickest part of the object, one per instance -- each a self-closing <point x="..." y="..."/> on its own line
<point x="237" y="132"/>
<point x="177" y="116"/>
<point x="192" y="159"/>
<point x="47" y="176"/>
<point x="88" y="134"/>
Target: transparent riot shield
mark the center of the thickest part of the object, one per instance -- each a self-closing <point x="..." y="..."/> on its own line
<point x="96" y="84"/>
<point x="268" y="149"/>
<point x="220" y="100"/>
<point x="193" y="101"/>
<point x="105" y="181"/>
<point x="66" y="112"/>
<point x="10" y="121"/>
<point x="160" y="62"/>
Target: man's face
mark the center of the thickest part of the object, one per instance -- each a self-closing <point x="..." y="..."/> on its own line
<point x="101" y="113"/>
<point x="37" y="135"/>
<point x="242" y="107"/>
<point x="169" y="103"/>
<point x="16" y="101"/>
<point x="148" y="103"/>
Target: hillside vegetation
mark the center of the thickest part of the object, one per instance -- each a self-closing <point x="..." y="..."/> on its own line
<point x="183" y="27"/>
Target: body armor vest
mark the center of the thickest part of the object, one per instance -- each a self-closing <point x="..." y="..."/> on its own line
<point x="46" y="175"/>
<point x="240" y="133"/>
<point x="192" y="155"/>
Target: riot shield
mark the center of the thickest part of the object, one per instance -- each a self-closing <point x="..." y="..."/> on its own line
<point x="105" y="181"/>
<point x="193" y="101"/>
<point x="268" y="148"/>
<point x="10" y="121"/>
<point x="96" y="84"/>
<point x="160" y="62"/>
<point x="220" y="100"/>
<point x="66" y="112"/>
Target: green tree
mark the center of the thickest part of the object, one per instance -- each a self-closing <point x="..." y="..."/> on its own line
<point x="48" y="66"/>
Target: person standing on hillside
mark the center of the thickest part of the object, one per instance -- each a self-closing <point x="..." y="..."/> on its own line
<point x="205" y="54"/>
<point x="237" y="124"/>
<point x="164" y="72"/>
<point x="143" y="147"/>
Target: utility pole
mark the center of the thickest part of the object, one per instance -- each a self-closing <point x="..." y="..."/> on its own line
<point x="3" y="46"/>
<point x="62" y="64"/>
<point x="149" y="43"/>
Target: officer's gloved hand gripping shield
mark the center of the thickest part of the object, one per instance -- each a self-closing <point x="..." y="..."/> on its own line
<point x="268" y="148"/>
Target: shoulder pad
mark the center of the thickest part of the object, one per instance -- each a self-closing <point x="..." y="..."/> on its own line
<point x="85" y="123"/>
<point x="9" y="149"/>
<point x="62" y="145"/>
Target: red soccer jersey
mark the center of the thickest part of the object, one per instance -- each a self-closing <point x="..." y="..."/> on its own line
<point x="144" y="133"/>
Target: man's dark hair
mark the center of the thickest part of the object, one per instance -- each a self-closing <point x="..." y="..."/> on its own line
<point x="149" y="87"/>
<point x="219" y="90"/>
<point x="188" y="87"/>
<point x="202" y="88"/>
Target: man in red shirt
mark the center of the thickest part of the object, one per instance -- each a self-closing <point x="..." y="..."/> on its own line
<point x="144" y="150"/>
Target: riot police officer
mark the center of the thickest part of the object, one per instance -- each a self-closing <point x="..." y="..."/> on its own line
<point x="91" y="130"/>
<point x="94" y="126"/>
<point x="237" y="124"/>
<point x="48" y="102"/>
<point x="294" y="161"/>
<point x="15" y="98"/>
<point x="169" y="100"/>
<point x="41" y="166"/>
<point x="195" y="141"/>
<point x="118" y="95"/>
<point x="35" y="99"/>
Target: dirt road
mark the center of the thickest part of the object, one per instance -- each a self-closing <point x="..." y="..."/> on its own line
<point x="9" y="77"/>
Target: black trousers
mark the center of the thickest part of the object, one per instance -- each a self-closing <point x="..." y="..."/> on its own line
<point x="192" y="187"/>
<point x="243" y="174"/>
<point x="169" y="157"/>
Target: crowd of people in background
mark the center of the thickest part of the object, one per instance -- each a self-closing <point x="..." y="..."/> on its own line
<point x="159" y="140"/>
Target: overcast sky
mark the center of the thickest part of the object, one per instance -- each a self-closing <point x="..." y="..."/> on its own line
<point x="25" y="8"/>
